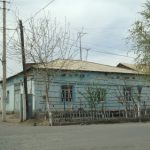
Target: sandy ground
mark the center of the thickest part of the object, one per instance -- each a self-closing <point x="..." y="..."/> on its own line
<point x="129" y="136"/>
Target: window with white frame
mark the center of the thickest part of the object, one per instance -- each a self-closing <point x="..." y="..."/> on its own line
<point x="66" y="93"/>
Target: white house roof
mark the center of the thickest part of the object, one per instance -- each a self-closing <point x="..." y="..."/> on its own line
<point x="83" y="66"/>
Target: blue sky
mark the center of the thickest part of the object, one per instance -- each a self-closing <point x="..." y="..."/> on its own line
<point x="106" y="23"/>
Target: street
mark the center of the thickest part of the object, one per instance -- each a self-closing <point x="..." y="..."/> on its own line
<point x="129" y="136"/>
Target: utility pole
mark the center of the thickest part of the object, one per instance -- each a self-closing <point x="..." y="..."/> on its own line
<point x="87" y="52"/>
<point x="81" y="34"/>
<point x="4" y="64"/>
<point x="24" y="69"/>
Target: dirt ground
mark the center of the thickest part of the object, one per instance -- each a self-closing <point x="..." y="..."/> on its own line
<point x="128" y="136"/>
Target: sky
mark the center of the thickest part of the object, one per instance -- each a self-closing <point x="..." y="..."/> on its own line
<point x="105" y="22"/>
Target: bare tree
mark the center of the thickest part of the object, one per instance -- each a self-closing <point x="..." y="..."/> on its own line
<point x="46" y="41"/>
<point x="123" y="96"/>
<point x="129" y="98"/>
<point x="94" y="95"/>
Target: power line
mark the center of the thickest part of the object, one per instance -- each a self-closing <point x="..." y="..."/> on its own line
<point x="11" y="2"/>
<point x="36" y="13"/>
<point x="92" y="44"/>
<point x="109" y="53"/>
<point x="11" y="29"/>
<point x="7" y="28"/>
<point x="14" y="11"/>
<point x="17" y="18"/>
<point x="11" y="37"/>
<point x="99" y="51"/>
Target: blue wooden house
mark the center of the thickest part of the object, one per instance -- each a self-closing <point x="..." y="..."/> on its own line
<point x="68" y="83"/>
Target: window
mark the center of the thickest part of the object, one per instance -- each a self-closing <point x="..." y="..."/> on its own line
<point x="127" y="93"/>
<point x="82" y="75"/>
<point x="101" y="94"/>
<point x="7" y="97"/>
<point x="63" y="75"/>
<point x="66" y="93"/>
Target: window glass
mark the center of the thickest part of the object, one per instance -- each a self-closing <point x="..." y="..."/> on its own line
<point x="66" y="93"/>
<point x="127" y="93"/>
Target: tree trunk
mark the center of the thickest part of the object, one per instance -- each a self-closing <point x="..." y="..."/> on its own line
<point x="48" y="107"/>
<point x="139" y="111"/>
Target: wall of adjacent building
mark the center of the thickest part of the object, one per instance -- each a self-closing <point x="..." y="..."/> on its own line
<point x="14" y="92"/>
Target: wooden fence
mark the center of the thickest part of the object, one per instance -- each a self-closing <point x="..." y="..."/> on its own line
<point x="77" y="117"/>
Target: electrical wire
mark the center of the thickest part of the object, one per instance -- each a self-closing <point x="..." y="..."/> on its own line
<point x="36" y="13"/>
<point x="109" y="53"/>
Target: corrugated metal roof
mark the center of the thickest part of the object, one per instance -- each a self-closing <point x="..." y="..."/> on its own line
<point x="128" y="66"/>
<point x="140" y="68"/>
<point x="84" y="66"/>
